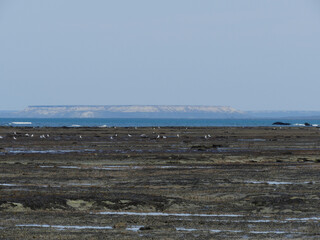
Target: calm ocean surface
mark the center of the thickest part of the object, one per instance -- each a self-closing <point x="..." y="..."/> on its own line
<point x="146" y="122"/>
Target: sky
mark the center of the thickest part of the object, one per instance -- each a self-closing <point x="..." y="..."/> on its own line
<point x="250" y="55"/>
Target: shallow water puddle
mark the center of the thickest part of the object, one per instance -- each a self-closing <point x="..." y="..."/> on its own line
<point x="62" y="227"/>
<point x="167" y="214"/>
<point x="49" y="151"/>
<point x="252" y="140"/>
<point x="134" y="228"/>
<point x="269" y="232"/>
<point x="112" y="168"/>
<point x="304" y="219"/>
<point x="72" y="167"/>
<point x="277" y="183"/>
<point x="231" y="231"/>
<point x="186" y="229"/>
<point x="26" y="185"/>
<point x="81" y="184"/>
<point x="8" y="184"/>
<point x="287" y="220"/>
<point x="238" y="221"/>
<point x="218" y="231"/>
<point x="118" y="168"/>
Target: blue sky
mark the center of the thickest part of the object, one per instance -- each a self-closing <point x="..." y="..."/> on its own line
<point x="251" y="55"/>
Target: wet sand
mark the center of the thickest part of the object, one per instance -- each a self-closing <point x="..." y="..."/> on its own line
<point x="160" y="183"/>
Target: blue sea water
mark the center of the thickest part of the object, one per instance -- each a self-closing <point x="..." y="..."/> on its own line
<point x="146" y="122"/>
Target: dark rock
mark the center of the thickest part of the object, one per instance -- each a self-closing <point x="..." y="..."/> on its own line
<point x="216" y="145"/>
<point x="307" y="124"/>
<point x="145" y="228"/>
<point x="281" y="123"/>
<point x="200" y="147"/>
<point x="205" y="147"/>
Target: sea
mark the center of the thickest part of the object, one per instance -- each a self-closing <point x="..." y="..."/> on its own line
<point x="149" y="122"/>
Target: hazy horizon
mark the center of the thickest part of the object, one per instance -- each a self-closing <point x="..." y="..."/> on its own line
<point x="249" y="55"/>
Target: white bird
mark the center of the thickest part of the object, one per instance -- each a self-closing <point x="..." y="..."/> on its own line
<point x="209" y="135"/>
<point x="164" y="137"/>
<point x="14" y="138"/>
<point x="178" y="135"/>
<point x="15" y="133"/>
<point x="1" y="137"/>
<point x="80" y="137"/>
<point x="27" y="135"/>
<point x="48" y="135"/>
<point x="158" y="136"/>
<point x="129" y="135"/>
<point x="111" y="137"/>
<point x="31" y="135"/>
<point x="205" y="136"/>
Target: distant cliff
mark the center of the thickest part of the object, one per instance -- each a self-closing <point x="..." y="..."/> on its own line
<point x="151" y="111"/>
<point x="135" y="111"/>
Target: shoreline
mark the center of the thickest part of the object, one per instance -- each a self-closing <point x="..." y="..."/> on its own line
<point x="161" y="122"/>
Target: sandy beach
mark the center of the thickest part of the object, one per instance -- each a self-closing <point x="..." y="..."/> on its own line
<point x="160" y="183"/>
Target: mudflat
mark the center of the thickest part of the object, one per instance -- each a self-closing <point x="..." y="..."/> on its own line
<point x="160" y="183"/>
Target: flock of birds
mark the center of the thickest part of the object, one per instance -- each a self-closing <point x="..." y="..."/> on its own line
<point x="44" y="136"/>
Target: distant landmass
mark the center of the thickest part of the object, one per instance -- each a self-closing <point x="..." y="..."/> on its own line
<point x="150" y="111"/>
<point x="126" y="111"/>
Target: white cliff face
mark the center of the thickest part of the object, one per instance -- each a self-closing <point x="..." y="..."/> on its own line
<point x="96" y="111"/>
<point x="133" y="109"/>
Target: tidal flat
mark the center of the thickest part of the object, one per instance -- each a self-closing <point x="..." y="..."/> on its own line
<point x="160" y="183"/>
